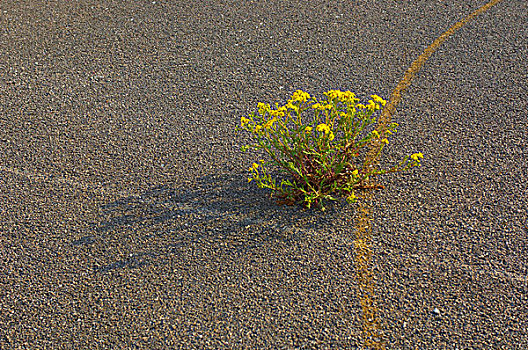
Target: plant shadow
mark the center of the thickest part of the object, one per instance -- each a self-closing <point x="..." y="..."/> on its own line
<point x="223" y="211"/>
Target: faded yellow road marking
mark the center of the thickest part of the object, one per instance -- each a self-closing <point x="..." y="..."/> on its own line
<point x="419" y="62"/>
<point x="371" y="328"/>
<point x="371" y="332"/>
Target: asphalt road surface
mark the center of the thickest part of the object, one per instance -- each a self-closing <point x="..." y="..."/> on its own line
<point x="126" y="220"/>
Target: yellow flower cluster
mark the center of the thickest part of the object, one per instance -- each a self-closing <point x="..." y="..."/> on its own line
<point x="263" y="108"/>
<point x="374" y="104"/>
<point x="351" y="198"/>
<point x="253" y="170"/>
<point x="326" y="129"/>
<point x="342" y="96"/>
<point x="291" y="105"/>
<point x="323" y="128"/>
<point x="321" y="107"/>
<point x="417" y="156"/>
<point x="269" y="123"/>
<point x="378" y="99"/>
<point x="335" y="125"/>
<point x="376" y="134"/>
<point x="300" y="96"/>
<point x="279" y="112"/>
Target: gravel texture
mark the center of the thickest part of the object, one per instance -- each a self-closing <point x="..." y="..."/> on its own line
<point x="126" y="220"/>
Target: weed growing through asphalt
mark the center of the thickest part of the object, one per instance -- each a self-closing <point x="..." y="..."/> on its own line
<point x="319" y="145"/>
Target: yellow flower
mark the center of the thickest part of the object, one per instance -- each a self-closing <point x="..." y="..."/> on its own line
<point x="321" y="107"/>
<point x="244" y="121"/>
<point x="355" y="172"/>
<point x="257" y="128"/>
<point x="350" y="97"/>
<point x="352" y="198"/>
<point x="269" y="123"/>
<point x="290" y="105"/>
<point x="263" y="108"/>
<point x="417" y="156"/>
<point x="279" y="112"/>
<point x="344" y="97"/>
<point x="360" y="106"/>
<point x="308" y="129"/>
<point x="333" y="94"/>
<point x="373" y="105"/>
<point x="327" y="132"/>
<point x="300" y="96"/>
<point x="376" y="133"/>
<point x="323" y="128"/>
<point x="385" y="141"/>
<point x="276" y="113"/>
<point x="378" y="99"/>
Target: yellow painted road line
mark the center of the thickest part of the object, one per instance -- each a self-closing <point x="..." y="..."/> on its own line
<point x="419" y="62"/>
<point x="371" y="332"/>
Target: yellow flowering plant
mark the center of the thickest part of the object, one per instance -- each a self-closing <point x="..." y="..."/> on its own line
<point x="320" y="146"/>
